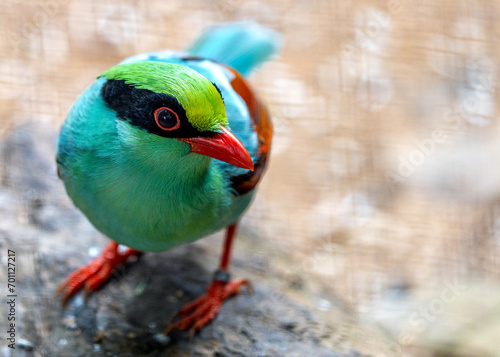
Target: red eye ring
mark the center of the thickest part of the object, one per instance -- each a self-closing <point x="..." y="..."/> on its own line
<point x="158" y="119"/>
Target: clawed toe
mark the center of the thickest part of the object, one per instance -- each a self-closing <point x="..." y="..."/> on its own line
<point x="94" y="274"/>
<point x="197" y="314"/>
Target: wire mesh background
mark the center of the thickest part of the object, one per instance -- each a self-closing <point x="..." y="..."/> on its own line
<point x="383" y="174"/>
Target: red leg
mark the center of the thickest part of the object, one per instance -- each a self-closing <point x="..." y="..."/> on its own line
<point x="204" y="309"/>
<point x="95" y="273"/>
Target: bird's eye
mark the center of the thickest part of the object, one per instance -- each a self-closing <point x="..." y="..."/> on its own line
<point x="167" y="119"/>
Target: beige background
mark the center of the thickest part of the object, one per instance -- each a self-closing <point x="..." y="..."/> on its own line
<point x="384" y="174"/>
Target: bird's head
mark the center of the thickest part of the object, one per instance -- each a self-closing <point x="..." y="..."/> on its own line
<point x="176" y="103"/>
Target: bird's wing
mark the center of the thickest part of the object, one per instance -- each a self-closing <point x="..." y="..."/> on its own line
<point x="261" y="122"/>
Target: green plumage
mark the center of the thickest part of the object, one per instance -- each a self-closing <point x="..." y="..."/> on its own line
<point x="139" y="189"/>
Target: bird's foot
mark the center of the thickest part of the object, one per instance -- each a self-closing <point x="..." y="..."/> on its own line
<point x="204" y="309"/>
<point x="95" y="273"/>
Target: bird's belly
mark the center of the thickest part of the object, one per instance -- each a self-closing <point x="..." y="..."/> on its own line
<point x="148" y="214"/>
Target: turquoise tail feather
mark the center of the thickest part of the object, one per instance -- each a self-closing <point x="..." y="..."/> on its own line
<point x="241" y="45"/>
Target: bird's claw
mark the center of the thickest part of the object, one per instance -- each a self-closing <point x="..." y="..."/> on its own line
<point x="95" y="273"/>
<point x="201" y="311"/>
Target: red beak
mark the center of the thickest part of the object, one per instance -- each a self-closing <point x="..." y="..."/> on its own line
<point x="222" y="146"/>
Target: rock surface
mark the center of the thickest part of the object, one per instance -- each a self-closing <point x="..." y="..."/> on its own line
<point x="127" y="316"/>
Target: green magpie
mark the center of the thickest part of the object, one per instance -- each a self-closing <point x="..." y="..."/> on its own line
<point x="166" y="148"/>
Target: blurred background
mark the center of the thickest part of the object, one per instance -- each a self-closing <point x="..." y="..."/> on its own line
<point x="383" y="191"/>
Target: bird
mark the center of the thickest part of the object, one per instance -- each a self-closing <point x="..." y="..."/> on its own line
<point x="166" y="148"/>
